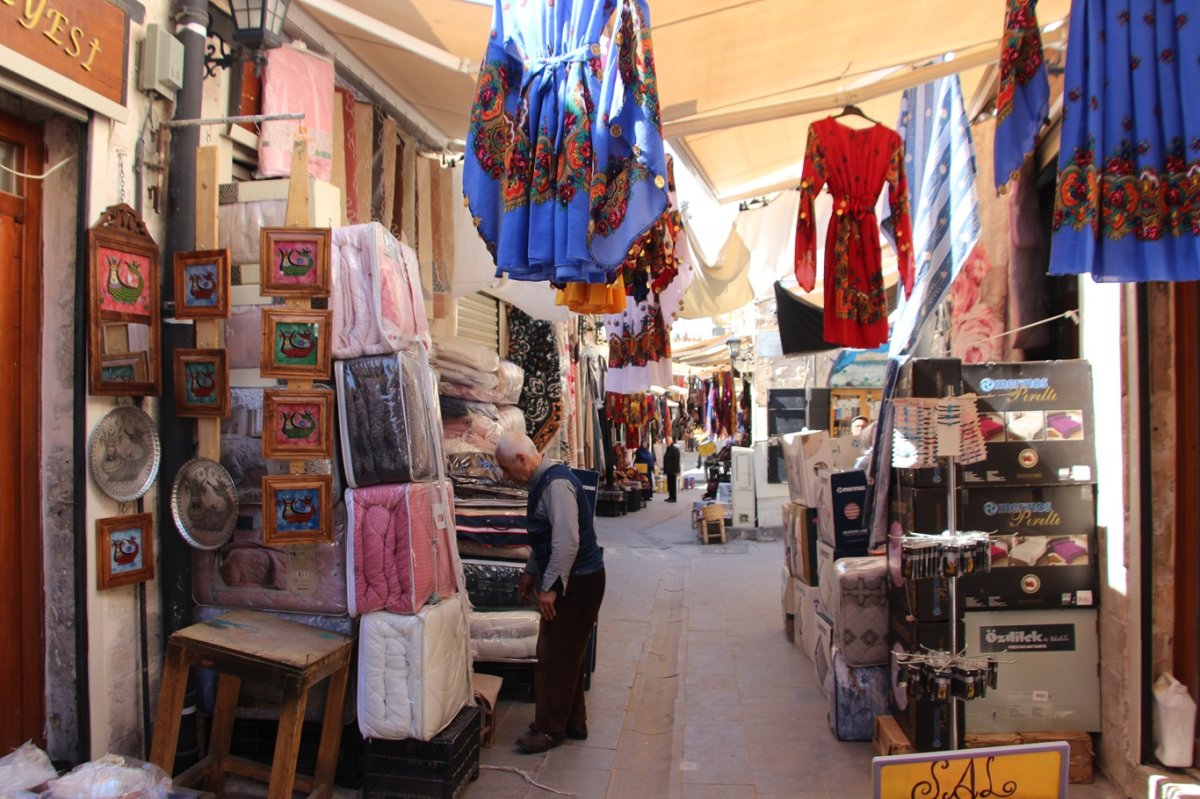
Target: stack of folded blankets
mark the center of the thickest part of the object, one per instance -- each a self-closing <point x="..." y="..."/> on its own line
<point x="401" y="572"/>
<point x="479" y="394"/>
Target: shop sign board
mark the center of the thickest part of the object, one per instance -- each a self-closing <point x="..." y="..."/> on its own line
<point x="1030" y="771"/>
<point x="85" y="43"/>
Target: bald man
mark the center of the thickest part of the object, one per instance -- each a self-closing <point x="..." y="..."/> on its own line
<point x="565" y="575"/>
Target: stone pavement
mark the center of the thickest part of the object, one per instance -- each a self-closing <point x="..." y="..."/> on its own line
<point x="697" y="692"/>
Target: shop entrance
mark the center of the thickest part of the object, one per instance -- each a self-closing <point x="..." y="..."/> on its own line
<point x="21" y="669"/>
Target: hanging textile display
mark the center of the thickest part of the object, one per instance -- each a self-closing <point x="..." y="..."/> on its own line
<point x="533" y="346"/>
<point x="1024" y="97"/>
<point x="855" y="164"/>
<point x="927" y="429"/>
<point x="1127" y="207"/>
<point x="656" y="276"/>
<point x="565" y="159"/>
<point x="801" y="326"/>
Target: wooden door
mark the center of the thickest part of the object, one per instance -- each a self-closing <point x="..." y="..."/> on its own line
<point x="21" y="664"/>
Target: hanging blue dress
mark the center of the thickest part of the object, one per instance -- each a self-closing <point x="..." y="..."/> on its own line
<point x="1127" y="207"/>
<point x="565" y="165"/>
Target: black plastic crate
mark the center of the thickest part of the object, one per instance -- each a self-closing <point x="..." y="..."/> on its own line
<point x="254" y="739"/>
<point x="435" y="769"/>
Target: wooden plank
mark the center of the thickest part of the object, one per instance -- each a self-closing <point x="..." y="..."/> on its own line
<point x="257" y="635"/>
<point x="331" y="728"/>
<point x="209" y="332"/>
<point x="170" y="707"/>
<point x="298" y="201"/>
<point x="224" y="712"/>
<point x="287" y="740"/>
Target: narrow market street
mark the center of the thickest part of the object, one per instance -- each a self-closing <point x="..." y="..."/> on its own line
<point x="697" y="692"/>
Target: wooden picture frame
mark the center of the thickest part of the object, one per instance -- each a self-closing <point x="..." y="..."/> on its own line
<point x="295" y="343"/>
<point x="202" y="284"/>
<point x="201" y="383"/>
<point x="294" y="262"/>
<point x="124" y="367"/>
<point x="124" y="550"/>
<point x="123" y="288"/>
<point x="297" y="424"/>
<point x="297" y="509"/>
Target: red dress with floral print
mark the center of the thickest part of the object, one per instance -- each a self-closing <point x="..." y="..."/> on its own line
<point x="855" y="165"/>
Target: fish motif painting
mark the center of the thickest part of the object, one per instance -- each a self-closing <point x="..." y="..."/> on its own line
<point x="295" y="343"/>
<point x="298" y="509"/>
<point x="294" y="262"/>
<point x="125" y="550"/>
<point x="202" y="284"/>
<point x="201" y="383"/>
<point x="297" y="424"/>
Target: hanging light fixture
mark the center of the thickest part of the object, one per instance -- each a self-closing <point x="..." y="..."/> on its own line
<point x="257" y="26"/>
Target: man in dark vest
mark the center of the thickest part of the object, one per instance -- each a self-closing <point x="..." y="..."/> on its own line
<point x="565" y="575"/>
<point x="671" y="468"/>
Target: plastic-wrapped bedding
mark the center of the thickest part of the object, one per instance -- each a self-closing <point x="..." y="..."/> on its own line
<point x="511" y="381"/>
<point x="860" y="610"/>
<point x="518" y="554"/>
<point x="400" y="551"/>
<point x="384" y="419"/>
<point x="376" y="295"/>
<point x="414" y="672"/>
<point x="859" y="695"/>
<point x="473" y="429"/>
<point x="467" y="376"/>
<point x="454" y="408"/>
<point x="505" y="635"/>
<point x="241" y="449"/>
<point x="261" y="700"/>
<point x="246" y="574"/>
<point x="511" y="418"/>
<point x="492" y="584"/>
<point x="454" y="349"/>
<point x="240" y="228"/>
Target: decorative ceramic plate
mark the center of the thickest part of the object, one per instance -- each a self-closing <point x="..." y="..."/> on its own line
<point x="124" y="453"/>
<point x="204" y="503"/>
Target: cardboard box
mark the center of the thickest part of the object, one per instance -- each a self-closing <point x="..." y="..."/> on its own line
<point x="1053" y="682"/>
<point x="889" y="739"/>
<point x="806" y="454"/>
<point x="841" y="512"/>
<point x="789" y="594"/>
<point x="930" y="377"/>
<point x="926" y="723"/>
<point x="1081" y="766"/>
<point x="823" y="653"/>
<point x="1037" y="420"/>
<point x="805" y="522"/>
<point x="487" y="692"/>
<point x="1027" y="510"/>
<point x="806" y="618"/>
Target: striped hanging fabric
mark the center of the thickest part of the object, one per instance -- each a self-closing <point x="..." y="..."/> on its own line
<point x="940" y="161"/>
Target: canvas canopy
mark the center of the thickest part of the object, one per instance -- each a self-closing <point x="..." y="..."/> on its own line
<point x="739" y="80"/>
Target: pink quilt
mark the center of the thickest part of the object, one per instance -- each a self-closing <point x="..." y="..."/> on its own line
<point x="377" y="300"/>
<point x="399" y="553"/>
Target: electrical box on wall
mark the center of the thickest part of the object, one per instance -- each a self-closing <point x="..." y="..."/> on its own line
<point x="162" y="63"/>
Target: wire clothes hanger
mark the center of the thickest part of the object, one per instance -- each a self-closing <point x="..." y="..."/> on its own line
<point x="853" y="110"/>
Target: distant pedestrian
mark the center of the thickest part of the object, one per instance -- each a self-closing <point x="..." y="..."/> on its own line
<point x="671" y="468"/>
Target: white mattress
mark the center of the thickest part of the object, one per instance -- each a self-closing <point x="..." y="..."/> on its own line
<point x="414" y="674"/>
<point x="504" y="635"/>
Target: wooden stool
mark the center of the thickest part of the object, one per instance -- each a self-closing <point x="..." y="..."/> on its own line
<point x="712" y="524"/>
<point x="246" y="644"/>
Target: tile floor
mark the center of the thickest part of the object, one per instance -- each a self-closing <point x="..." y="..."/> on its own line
<point x="697" y="692"/>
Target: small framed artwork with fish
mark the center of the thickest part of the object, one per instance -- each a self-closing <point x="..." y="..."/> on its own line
<point x="297" y="509"/>
<point x="201" y="383"/>
<point x="124" y="550"/>
<point x="294" y="262"/>
<point x="297" y="424"/>
<point x="295" y="343"/>
<point x="202" y="284"/>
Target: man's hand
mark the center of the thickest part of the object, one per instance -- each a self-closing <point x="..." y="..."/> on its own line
<point x="546" y="601"/>
<point x="525" y="589"/>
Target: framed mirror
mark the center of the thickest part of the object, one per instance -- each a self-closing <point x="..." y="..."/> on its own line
<point x="123" y="307"/>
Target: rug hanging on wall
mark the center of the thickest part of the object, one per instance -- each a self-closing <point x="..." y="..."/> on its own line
<point x="532" y="346"/>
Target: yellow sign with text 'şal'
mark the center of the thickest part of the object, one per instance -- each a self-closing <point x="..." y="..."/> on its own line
<point x="1030" y="771"/>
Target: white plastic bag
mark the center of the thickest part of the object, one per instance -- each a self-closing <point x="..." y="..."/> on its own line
<point x="1174" y="722"/>
<point x="24" y="769"/>
<point x="111" y="777"/>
